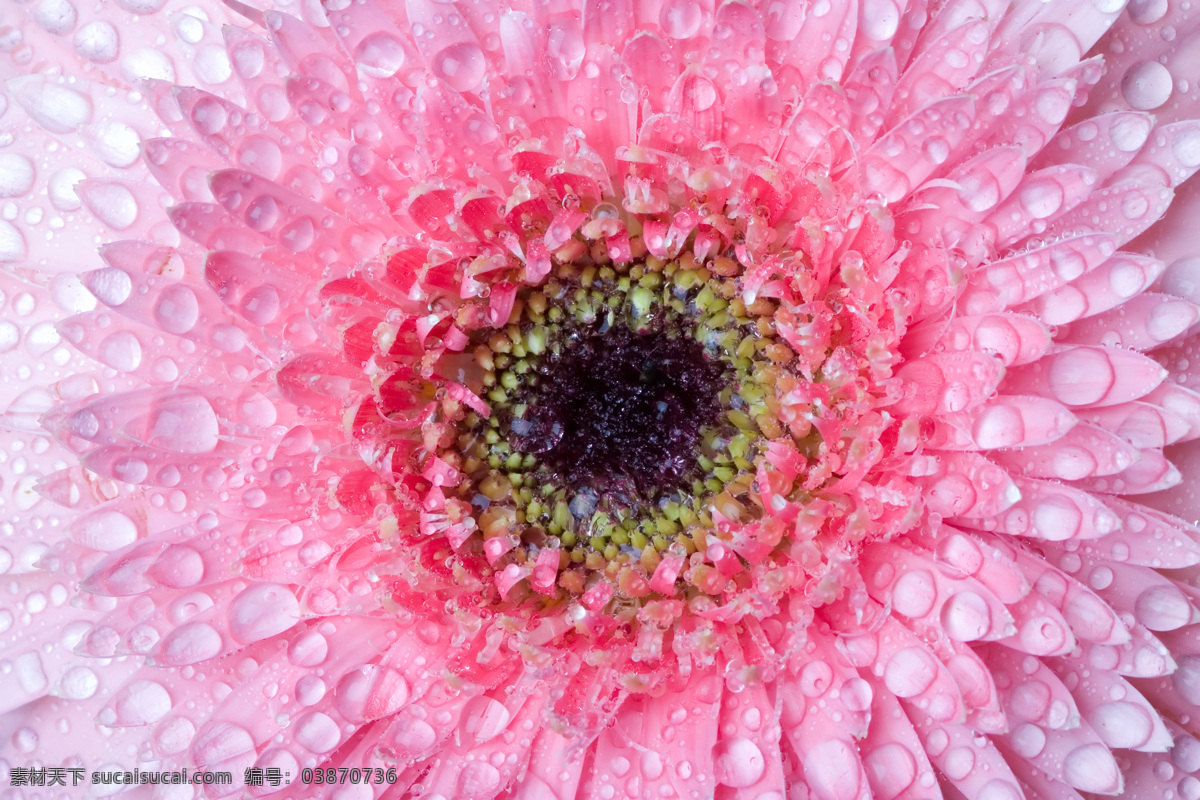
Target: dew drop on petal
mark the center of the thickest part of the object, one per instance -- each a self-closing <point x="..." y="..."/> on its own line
<point x="909" y="672"/>
<point x="140" y="703"/>
<point x="412" y="736"/>
<point x="738" y="762"/>
<point x="1041" y="198"/>
<point x="317" y="732"/>
<point x="121" y="350"/>
<point x="966" y="617"/>
<point x="56" y="16"/>
<point x="98" y="41"/>
<point x="379" y="54"/>
<point x="308" y="649"/>
<point x="484" y="719"/>
<point x="56" y="108"/>
<point x="1186" y="147"/>
<point x="462" y="66"/>
<point x="177" y="309"/>
<point x="261" y="611"/>
<point x="190" y="643"/>
<point x="116" y="143"/>
<point x="78" y="683"/>
<point x="891" y="767"/>
<point x="221" y="741"/>
<point x="174" y="735"/>
<point x="680" y="19"/>
<point x="12" y="243"/>
<point x="477" y="780"/>
<point x="146" y="63"/>
<point x="1146" y="85"/>
<point x="105" y="530"/>
<point x="112" y="203"/>
<point x="16" y="175"/>
<point x="1129" y="132"/>
<point x="1028" y="740"/>
<point x="1148" y="12"/>
<point x="1092" y="768"/>
<point x="61" y="188"/>
<point x="914" y="593"/>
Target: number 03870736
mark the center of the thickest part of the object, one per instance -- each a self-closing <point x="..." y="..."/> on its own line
<point x="340" y="775"/>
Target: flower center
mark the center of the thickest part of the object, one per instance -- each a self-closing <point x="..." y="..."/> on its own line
<point x="624" y="399"/>
<point x="619" y="412"/>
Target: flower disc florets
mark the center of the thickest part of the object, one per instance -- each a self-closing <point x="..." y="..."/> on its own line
<point x="634" y="401"/>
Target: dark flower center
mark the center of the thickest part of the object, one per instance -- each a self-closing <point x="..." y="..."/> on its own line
<point x="621" y="412"/>
<point x="625" y="402"/>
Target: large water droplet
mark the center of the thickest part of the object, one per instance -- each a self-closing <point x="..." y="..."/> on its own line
<point x="1146" y="85"/>
<point x="174" y="735"/>
<point x="112" y="203"/>
<point x="461" y="65"/>
<point x="738" y="762"/>
<point x="140" y="703"/>
<point x="190" y="643"/>
<point x="56" y="16"/>
<point x="12" y="243"/>
<point x="104" y="530"/>
<point x="98" y="42"/>
<point x="308" y="649"/>
<point x="221" y="741"/>
<point x="371" y="692"/>
<point x="56" y="108"/>
<point x="484" y="719"/>
<point x="317" y="732"/>
<point x="379" y="55"/>
<point x="122" y="351"/>
<point x="16" y="175"/>
<point x="909" y="672"/>
<point x="680" y="19"/>
<point x="261" y="611"/>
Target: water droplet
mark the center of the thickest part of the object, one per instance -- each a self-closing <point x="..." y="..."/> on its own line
<point x="190" y="643"/>
<point x="485" y="718"/>
<point x="478" y="779"/>
<point x="379" y="55"/>
<point x="738" y="763"/>
<point x="461" y="65"/>
<point x="139" y="703"/>
<point x="412" y="736"/>
<point x="177" y="309"/>
<point x="16" y="175"/>
<point x="12" y="243"/>
<point x="909" y="672"/>
<point x="221" y="741"/>
<point x="317" y="732"/>
<point x="56" y="16"/>
<point x="61" y="189"/>
<point x="56" y="108"/>
<point x="98" y="42"/>
<point x="262" y="611"/>
<point x="122" y="351"/>
<point x="111" y="203"/>
<point x="177" y="566"/>
<point x="211" y="64"/>
<point x="680" y="19"/>
<point x="914" y="593"/>
<point x="310" y="690"/>
<point x="1146" y="85"/>
<point x="308" y="649"/>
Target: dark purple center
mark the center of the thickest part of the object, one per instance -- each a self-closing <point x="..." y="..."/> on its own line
<point x="621" y="411"/>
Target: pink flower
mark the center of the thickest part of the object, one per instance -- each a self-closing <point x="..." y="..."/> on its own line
<point x="649" y="400"/>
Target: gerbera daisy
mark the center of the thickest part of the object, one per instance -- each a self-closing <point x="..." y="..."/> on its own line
<point x="559" y="400"/>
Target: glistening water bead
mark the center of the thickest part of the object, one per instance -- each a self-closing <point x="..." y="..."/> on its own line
<point x="627" y="401"/>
